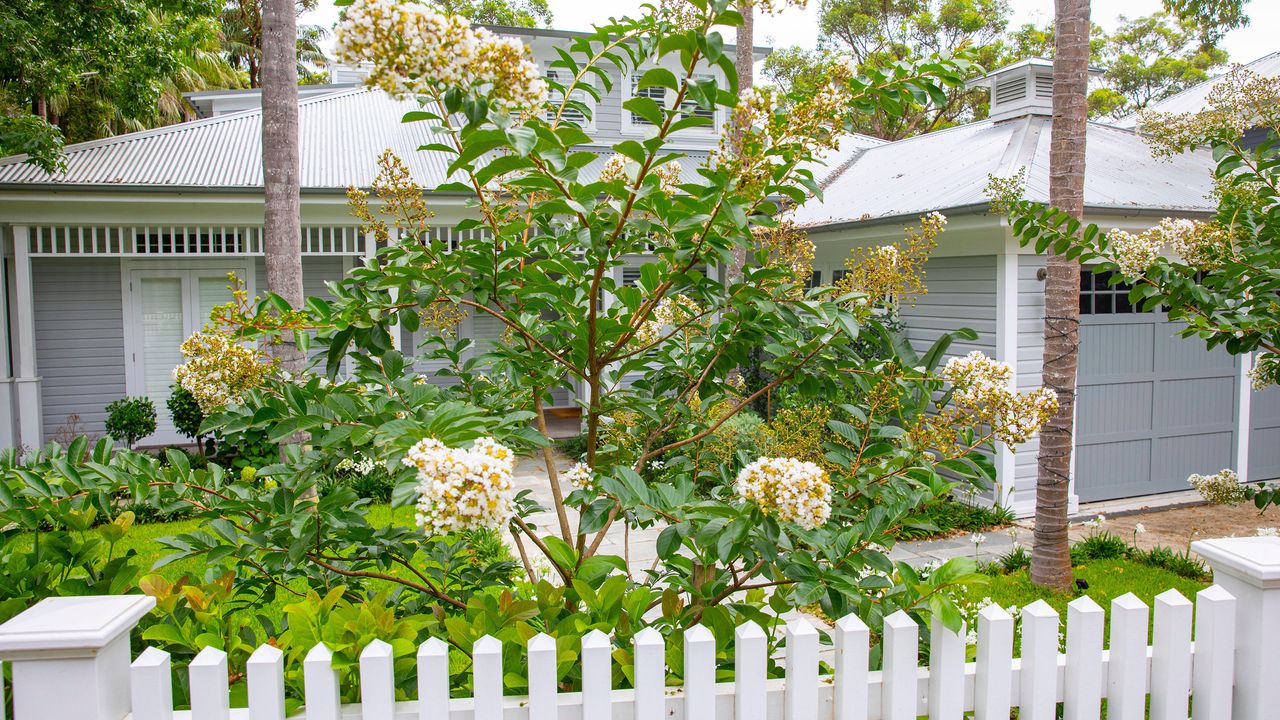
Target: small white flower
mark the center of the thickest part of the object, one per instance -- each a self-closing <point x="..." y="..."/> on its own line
<point x="580" y="476"/>
<point x="795" y="490"/>
<point x="977" y="538"/>
<point x="1140" y="529"/>
<point x="1269" y="532"/>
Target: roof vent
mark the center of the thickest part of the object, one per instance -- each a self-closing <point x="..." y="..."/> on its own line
<point x="1021" y="89"/>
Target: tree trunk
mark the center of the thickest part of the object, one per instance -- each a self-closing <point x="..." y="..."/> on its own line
<point x="745" y="60"/>
<point x="280" y="164"/>
<point x="1051" y="557"/>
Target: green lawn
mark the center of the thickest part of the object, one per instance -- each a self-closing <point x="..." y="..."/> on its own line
<point x="1107" y="579"/>
<point x="143" y="539"/>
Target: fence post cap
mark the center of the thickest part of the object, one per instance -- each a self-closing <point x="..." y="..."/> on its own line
<point x="1255" y="560"/>
<point x="66" y="627"/>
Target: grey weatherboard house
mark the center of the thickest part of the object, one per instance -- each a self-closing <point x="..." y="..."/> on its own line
<point x="108" y="266"/>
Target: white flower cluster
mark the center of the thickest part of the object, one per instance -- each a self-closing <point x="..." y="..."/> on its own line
<point x="1268" y="532"/>
<point x="415" y="49"/>
<point x="1265" y="371"/>
<point x="462" y="489"/>
<point x="672" y="311"/>
<point x="1133" y="253"/>
<point x="359" y="465"/>
<point x="1096" y="523"/>
<point x="618" y="166"/>
<point x="794" y="490"/>
<point x="218" y="370"/>
<point x="1220" y="488"/>
<point x="580" y="476"/>
<point x="983" y="385"/>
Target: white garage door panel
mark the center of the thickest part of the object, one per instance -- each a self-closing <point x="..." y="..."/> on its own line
<point x="1153" y="407"/>
<point x="1264" y="437"/>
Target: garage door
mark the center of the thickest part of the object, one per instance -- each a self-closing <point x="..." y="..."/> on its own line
<point x="1264" y="434"/>
<point x="1153" y="407"/>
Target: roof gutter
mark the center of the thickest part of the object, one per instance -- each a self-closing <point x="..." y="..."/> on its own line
<point x="977" y="208"/>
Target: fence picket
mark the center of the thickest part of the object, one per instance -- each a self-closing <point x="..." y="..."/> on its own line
<point x="1082" y="694"/>
<point x="1213" y="669"/>
<point x="946" y="672"/>
<point x="1171" y="657"/>
<point x="264" y="672"/>
<point x="650" y="675"/>
<point x="210" y="695"/>
<point x="542" y="677"/>
<point x="699" y="673"/>
<point x="802" y="670"/>
<point x="1038" y="686"/>
<point x="899" y="685"/>
<point x="377" y="681"/>
<point x="320" y="684"/>
<point x="993" y="680"/>
<point x="597" y="675"/>
<point x="433" y="680"/>
<point x="1127" y="667"/>
<point x="486" y="666"/>
<point x="749" y="668"/>
<point x="851" y="638"/>
<point x="151" y="686"/>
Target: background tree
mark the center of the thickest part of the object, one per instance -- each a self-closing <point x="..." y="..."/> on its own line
<point x="1211" y="18"/>
<point x="1050" y="553"/>
<point x="242" y="38"/>
<point x="86" y="71"/>
<point x="511" y="13"/>
<point x="870" y="34"/>
<point x="282" y="228"/>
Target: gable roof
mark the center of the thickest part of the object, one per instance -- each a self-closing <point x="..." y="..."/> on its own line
<point x="949" y="169"/>
<point x="1194" y="98"/>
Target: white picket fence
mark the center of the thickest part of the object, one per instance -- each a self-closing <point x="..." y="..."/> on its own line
<point x="70" y="660"/>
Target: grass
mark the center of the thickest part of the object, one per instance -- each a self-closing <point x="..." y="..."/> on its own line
<point x="952" y="517"/>
<point x="1107" y="579"/>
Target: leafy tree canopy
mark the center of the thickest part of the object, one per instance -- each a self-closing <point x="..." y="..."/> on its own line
<point x="511" y="13"/>
<point x="88" y="70"/>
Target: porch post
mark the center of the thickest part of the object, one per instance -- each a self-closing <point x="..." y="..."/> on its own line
<point x="8" y="429"/>
<point x="1007" y="352"/>
<point x="70" y="656"/>
<point x="1249" y="569"/>
<point x="26" y="382"/>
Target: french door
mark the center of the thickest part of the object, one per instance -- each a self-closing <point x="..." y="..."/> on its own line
<point x="165" y="306"/>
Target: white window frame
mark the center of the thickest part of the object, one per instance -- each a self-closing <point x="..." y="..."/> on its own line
<point x="577" y="94"/>
<point x="631" y="128"/>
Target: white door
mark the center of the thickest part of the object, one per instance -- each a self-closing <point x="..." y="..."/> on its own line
<point x="167" y="305"/>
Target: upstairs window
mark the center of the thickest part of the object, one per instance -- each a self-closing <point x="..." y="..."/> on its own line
<point x="688" y="107"/>
<point x="571" y="114"/>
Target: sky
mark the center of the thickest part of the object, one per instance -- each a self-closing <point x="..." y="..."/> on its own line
<point x="800" y="26"/>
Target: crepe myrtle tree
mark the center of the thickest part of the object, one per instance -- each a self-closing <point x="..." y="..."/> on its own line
<point x="1219" y="277"/>
<point x="553" y="225"/>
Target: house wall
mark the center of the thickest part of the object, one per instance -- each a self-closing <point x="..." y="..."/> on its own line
<point x="961" y="294"/>
<point x="1030" y="361"/>
<point x="79" y="330"/>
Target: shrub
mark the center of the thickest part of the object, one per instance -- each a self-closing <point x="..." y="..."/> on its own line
<point x="1099" y="546"/>
<point x="131" y="419"/>
<point x="186" y="413"/>
<point x="949" y="516"/>
<point x="575" y="447"/>
<point x="1179" y="563"/>
<point x="1016" y="559"/>
<point x="250" y="448"/>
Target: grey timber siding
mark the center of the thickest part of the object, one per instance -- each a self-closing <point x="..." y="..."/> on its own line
<point x="79" y="328"/>
<point x="962" y="294"/>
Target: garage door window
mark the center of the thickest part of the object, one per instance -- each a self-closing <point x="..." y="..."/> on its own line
<point x="1099" y="297"/>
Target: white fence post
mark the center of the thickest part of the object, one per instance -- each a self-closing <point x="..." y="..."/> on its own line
<point x="70" y="657"/>
<point x="1249" y="569"/>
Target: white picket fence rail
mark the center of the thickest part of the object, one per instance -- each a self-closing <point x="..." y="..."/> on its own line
<point x="70" y="659"/>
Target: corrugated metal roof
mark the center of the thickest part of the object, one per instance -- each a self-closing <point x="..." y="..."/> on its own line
<point x="1193" y="99"/>
<point x="341" y="136"/>
<point x="949" y="169"/>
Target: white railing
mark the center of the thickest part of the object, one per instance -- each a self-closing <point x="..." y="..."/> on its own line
<point x="70" y="659"/>
<point x="184" y="240"/>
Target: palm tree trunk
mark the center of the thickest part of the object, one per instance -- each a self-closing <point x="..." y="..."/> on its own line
<point x="745" y="59"/>
<point x="1050" y="557"/>
<point x="280" y="164"/>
